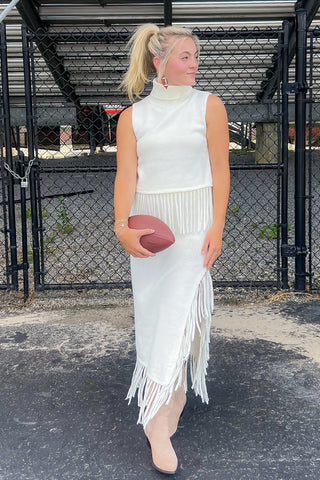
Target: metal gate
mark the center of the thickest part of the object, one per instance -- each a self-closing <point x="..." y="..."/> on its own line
<point x="66" y="210"/>
<point x="9" y="193"/>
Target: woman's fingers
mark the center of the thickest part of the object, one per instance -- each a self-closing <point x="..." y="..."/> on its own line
<point x="211" y="256"/>
<point x="211" y="247"/>
<point x="145" y="231"/>
<point x="140" y="251"/>
<point x="204" y="247"/>
<point x="130" y="239"/>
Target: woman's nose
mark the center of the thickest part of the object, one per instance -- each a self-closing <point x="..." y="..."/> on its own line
<point x="194" y="63"/>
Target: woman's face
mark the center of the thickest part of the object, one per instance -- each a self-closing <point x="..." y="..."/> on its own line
<point x="182" y="63"/>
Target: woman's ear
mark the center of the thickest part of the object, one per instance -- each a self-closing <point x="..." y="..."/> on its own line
<point x="156" y="62"/>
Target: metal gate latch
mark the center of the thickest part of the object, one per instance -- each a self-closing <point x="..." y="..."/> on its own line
<point x="296" y="87"/>
<point x="292" y="250"/>
<point x="24" y="180"/>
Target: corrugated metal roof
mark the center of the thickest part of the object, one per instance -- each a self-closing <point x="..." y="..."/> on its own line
<point x="77" y="12"/>
<point x="227" y="12"/>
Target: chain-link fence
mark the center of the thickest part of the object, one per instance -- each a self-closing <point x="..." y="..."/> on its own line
<point x="3" y="243"/>
<point x="240" y="68"/>
<point x="75" y="74"/>
<point x="313" y="164"/>
<point x="77" y="213"/>
<point x="76" y="101"/>
<point x="78" y="105"/>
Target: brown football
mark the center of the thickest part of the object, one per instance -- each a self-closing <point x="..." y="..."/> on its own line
<point x="155" y="242"/>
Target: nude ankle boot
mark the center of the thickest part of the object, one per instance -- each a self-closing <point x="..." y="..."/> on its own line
<point x="179" y="400"/>
<point x="177" y="403"/>
<point x="164" y="458"/>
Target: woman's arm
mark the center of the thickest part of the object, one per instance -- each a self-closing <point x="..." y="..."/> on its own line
<point x="218" y="147"/>
<point x="125" y="187"/>
<point x="126" y="177"/>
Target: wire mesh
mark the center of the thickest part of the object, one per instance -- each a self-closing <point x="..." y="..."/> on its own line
<point x="250" y="239"/>
<point x="4" y="261"/>
<point x="313" y="170"/>
<point x="76" y="74"/>
<point x="79" y="244"/>
<point x="3" y="252"/>
<point x="75" y="77"/>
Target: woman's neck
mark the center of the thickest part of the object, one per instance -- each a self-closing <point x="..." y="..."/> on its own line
<point x="170" y="92"/>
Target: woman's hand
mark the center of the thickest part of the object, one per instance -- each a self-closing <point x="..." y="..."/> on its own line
<point x="212" y="246"/>
<point x="130" y="240"/>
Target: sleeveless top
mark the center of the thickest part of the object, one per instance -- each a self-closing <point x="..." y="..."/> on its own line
<point x="170" y="129"/>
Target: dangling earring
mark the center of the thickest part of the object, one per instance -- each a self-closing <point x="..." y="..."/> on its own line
<point x="164" y="81"/>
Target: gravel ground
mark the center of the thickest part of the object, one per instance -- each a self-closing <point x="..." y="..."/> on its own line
<point x="12" y="302"/>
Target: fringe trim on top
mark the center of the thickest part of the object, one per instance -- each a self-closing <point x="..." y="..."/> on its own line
<point x="185" y="212"/>
<point x="152" y="395"/>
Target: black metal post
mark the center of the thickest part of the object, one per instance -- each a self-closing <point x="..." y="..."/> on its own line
<point x="92" y="131"/>
<point x="31" y="154"/>
<point x="300" y="165"/>
<point x="18" y="139"/>
<point x="310" y="166"/>
<point x="24" y="233"/>
<point x="4" y="200"/>
<point x="285" y="135"/>
<point x="167" y="6"/>
<point x="7" y="132"/>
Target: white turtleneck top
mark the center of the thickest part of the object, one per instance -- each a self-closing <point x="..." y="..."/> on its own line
<point x="170" y="128"/>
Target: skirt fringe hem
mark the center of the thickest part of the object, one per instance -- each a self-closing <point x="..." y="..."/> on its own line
<point x="184" y="211"/>
<point x="152" y="395"/>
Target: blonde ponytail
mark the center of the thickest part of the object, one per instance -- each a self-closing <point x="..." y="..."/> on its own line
<point x="147" y="42"/>
<point x="141" y="64"/>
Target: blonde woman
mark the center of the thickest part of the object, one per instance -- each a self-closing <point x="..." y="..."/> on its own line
<point x="172" y="157"/>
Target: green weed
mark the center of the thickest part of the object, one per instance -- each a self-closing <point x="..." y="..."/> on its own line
<point x="44" y="213"/>
<point x="48" y="241"/>
<point x="234" y="211"/>
<point x="269" y="232"/>
<point x="64" y="223"/>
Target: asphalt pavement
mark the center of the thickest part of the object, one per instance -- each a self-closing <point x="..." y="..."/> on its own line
<point x="65" y="373"/>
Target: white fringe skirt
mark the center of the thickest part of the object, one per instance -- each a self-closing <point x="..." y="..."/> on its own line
<point x="173" y="302"/>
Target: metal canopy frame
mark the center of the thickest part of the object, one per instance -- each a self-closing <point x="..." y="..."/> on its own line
<point x="29" y="11"/>
<point x="47" y="47"/>
<point x="269" y="86"/>
<point x="35" y="14"/>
